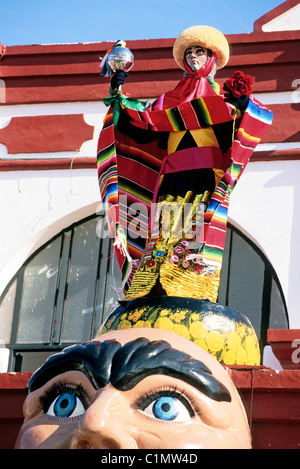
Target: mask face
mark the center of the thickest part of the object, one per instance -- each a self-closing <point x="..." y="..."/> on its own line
<point x="133" y="389"/>
<point x="195" y="57"/>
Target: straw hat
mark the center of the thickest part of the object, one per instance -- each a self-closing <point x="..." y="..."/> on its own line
<point x="206" y="36"/>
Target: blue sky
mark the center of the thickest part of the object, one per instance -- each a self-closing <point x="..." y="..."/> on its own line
<point x="67" y="21"/>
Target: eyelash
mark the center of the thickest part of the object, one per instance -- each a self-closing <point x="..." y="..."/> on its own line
<point x="141" y="404"/>
<point x="172" y="391"/>
<point x="56" y="390"/>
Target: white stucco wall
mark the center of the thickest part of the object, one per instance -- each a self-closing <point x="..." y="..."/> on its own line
<point x="36" y="205"/>
<point x="287" y="21"/>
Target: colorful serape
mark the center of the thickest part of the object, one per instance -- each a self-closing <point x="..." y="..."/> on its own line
<point x="130" y="160"/>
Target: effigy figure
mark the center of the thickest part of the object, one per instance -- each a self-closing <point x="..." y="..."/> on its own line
<point x="133" y="389"/>
<point x="167" y="170"/>
<point x="183" y="154"/>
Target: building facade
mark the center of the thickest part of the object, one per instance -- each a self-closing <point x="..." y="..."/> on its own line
<point x="58" y="278"/>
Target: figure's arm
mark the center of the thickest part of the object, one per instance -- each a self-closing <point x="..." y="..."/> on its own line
<point x="118" y="79"/>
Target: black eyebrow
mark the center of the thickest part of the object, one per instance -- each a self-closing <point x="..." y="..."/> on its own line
<point x="125" y="366"/>
<point x="94" y="359"/>
<point x="141" y="358"/>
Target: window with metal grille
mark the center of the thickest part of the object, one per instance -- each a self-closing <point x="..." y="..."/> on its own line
<point x="63" y="293"/>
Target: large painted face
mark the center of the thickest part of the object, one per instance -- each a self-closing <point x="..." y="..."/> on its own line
<point x="133" y="389"/>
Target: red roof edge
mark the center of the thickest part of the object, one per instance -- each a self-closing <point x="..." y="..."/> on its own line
<point x="272" y="14"/>
<point x="2" y="50"/>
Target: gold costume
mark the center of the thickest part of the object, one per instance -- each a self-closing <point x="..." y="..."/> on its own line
<point x="172" y="263"/>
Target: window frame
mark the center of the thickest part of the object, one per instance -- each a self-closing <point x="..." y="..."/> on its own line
<point x="53" y="345"/>
<point x="269" y="275"/>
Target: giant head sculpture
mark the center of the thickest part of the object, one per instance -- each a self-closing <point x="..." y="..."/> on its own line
<point x="136" y="388"/>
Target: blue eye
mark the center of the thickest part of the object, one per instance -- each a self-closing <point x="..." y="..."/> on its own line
<point x="64" y="402"/>
<point x="168" y="408"/>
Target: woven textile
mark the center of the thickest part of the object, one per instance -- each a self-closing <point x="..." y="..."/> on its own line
<point x="132" y="156"/>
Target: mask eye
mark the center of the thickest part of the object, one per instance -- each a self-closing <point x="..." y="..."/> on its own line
<point x="168" y="407"/>
<point x="198" y="52"/>
<point x="66" y="405"/>
<point x="64" y="401"/>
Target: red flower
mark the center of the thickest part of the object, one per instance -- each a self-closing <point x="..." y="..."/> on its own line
<point x="239" y="85"/>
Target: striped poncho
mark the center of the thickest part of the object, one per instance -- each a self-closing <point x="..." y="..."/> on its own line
<point x="130" y="168"/>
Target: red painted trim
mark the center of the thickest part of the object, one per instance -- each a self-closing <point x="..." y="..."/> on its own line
<point x="68" y="62"/>
<point x="285" y="126"/>
<point x="284" y="347"/>
<point x="43" y="134"/>
<point x="91" y="163"/>
<point x="272" y="14"/>
<point x="70" y="72"/>
<point x="263" y="37"/>
<point x="276" y="155"/>
<point x="282" y="335"/>
<point x="14" y="380"/>
<point x="50" y="164"/>
<point x="265" y="378"/>
<point x="2" y="50"/>
<point x="143" y="44"/>
<point x="272" y="78"/>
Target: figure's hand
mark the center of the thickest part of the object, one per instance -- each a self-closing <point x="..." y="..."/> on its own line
<point x="118" y="79"/>
<point x="241" y="102"/>
<point x="238" y="89"/>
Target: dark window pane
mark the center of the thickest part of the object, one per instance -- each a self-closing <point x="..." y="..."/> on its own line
<point x="31" y="361"/>
<point x="82" y="275"/>
<point x="38" y="296"/>
<point x="223" y="289"/>
<point x="114" y="290"/>
<point x="278" y="314"/>
<point x="59" y="307"/>
<point x="246" y="281"/>
<point x="109" y="287"/>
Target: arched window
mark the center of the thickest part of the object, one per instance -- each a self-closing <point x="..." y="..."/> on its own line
<point x="250" y="285"/>
<point x="62" y="294"/>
